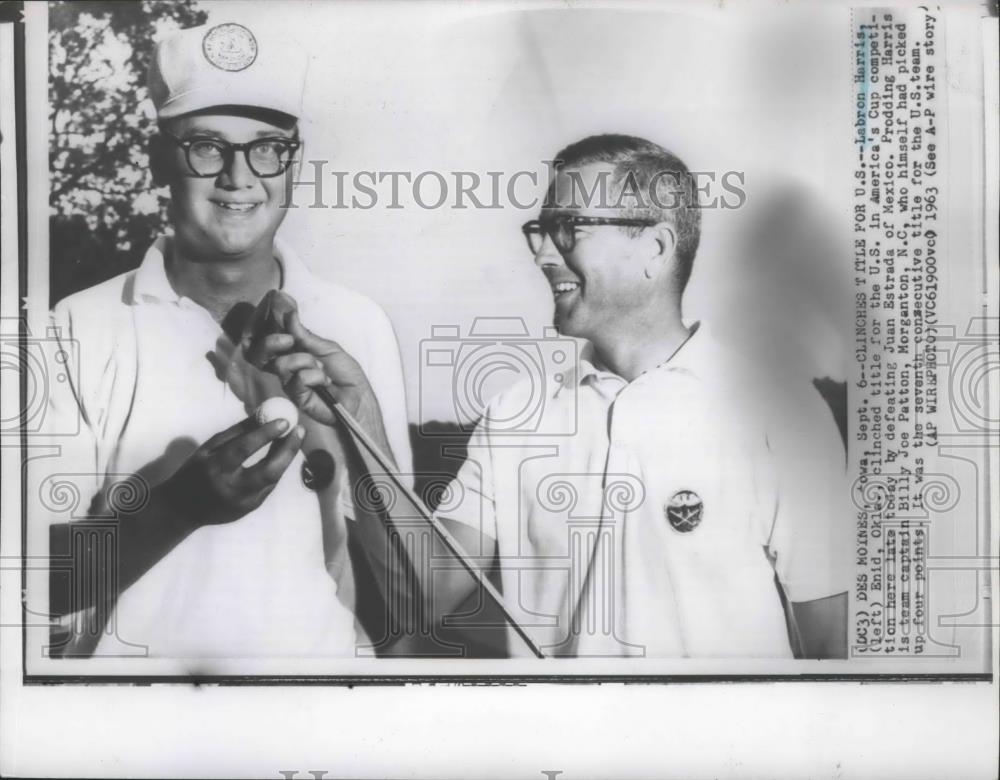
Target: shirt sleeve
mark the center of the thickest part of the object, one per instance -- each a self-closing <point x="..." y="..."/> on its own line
<point x="813" y="524"/>
<point x="469" y="499"/>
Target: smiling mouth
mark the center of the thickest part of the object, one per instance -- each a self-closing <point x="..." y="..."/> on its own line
<point x="235" y="208"/>
<point x="563" y="289"/>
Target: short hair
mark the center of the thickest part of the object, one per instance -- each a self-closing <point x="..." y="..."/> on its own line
<point x="639" y="164"/>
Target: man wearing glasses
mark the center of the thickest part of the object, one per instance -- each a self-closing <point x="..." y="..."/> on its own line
<point x="239" y="544"/>
<point x="679" y="514"/>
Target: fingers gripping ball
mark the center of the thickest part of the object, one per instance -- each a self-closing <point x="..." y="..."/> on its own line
<point x="277" y="409"/>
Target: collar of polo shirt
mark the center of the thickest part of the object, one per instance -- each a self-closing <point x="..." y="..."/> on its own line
<point x="151" y="282"/>
<point x="691" y="357"/>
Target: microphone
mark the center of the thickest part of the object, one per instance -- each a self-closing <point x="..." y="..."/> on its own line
<point x="268" y="318"/>
<point x="236" y="321"/>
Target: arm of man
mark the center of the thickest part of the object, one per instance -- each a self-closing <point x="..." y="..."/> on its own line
<point x="304" y="362"/>
<point x="822" y="627"/>
<point x="445" y="585"/>
<point x="212" y="487"/>
<point x="140" y="516"/>
<point x="813" y="526"/>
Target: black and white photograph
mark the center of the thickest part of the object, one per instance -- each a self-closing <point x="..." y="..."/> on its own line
<point x="479" y="360"/>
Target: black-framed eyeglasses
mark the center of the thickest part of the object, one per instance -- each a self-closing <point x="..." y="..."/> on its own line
<point x="266" y="157"/>
<point x="562" y="230"/>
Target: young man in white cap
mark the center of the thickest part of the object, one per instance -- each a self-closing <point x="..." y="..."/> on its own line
<point x="670" y="503"/>
<point x="225" y="553"/>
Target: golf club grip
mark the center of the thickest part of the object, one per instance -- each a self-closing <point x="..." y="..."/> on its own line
<point x="447" y="539"/>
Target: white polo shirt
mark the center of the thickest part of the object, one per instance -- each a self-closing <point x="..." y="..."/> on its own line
<point x="657" y="526"/>
<point x="274" y="583"/>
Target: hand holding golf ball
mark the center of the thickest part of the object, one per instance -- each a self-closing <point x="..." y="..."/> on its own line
<point x="277" y="409"/>
<point x="274" y="409"/>
<point x="234" y="471"/>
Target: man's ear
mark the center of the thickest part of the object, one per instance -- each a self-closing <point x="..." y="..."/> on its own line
<point x="665" y="246"/>
<point x="667" y="240"/>
<point x="159" y="161"/>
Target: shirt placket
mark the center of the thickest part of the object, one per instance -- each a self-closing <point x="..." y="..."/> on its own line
<point x="599" y="617"/>
<point x="624" y="492"/>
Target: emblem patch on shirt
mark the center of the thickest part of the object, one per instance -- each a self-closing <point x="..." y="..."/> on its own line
<point x="230" y="47"/>
<point x="684" y="511"/>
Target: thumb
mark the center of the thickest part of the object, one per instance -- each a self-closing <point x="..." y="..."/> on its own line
<point x="308" y="340"/>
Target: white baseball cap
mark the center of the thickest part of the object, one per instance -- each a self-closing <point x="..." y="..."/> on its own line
<point x="227" y="64"/>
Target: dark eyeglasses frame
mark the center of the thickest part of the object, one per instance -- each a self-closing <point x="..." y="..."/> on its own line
<point x="562" y="230"/>
<point x="230" y="149"/>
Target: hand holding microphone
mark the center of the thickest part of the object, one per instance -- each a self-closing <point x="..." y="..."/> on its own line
<point x="331" y="387"/>
<point x="313" y="370"/>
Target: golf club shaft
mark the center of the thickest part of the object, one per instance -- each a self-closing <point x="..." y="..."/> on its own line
<point x="449" y="541"/>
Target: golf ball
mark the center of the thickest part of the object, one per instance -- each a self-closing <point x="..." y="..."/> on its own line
<point x="277" y="409"/>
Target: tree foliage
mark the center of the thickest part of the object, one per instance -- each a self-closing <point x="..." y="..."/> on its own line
<point x="103" y="209"/>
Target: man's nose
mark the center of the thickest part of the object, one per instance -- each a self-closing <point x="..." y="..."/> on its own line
<point x="236" y="175"/>
<point x="547" y="254"/>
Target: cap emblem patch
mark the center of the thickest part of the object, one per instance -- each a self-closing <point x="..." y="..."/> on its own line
<point x="230" y="47"/>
